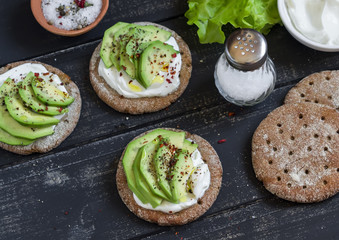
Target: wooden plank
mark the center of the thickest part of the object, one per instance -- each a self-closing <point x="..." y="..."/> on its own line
<point x="264" y="219"/>
<point x="108" y="122"/>
<point x="70" y="193"/>
<point x="294" y="60"/>
<point x="73" y="194"/>
<point x="81" y="181"/>
<point x="201" y="92"/>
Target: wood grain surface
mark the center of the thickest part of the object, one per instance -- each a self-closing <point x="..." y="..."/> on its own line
<point x="70" y="192"/>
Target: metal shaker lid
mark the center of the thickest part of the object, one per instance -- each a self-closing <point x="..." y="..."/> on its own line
<point x="246" y="49"/>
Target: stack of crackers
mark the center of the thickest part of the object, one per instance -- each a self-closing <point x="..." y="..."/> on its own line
<point x="295" y="149"/>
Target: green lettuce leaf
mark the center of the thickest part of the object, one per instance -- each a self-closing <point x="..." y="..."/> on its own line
<point x="211" y="15"/>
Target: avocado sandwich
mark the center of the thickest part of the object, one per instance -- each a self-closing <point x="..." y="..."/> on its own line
<point x="169" y="176"/>
<point x="140" y="67"/>
<point x="39" y="107"/>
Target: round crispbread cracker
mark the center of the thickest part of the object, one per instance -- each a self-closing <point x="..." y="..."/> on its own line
<point x="66" y="125"/>
<point x="295" y="152"/>
<point x="144" y="104"/>
<point x="322" y="88"/>
<point x="209" y="156"/>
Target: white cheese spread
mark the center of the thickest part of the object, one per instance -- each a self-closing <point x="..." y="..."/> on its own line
<point x="318" y="20"/>
<point x="199" y="181"/>
<point x="19" y="73"/>
<point x="131" y="88"/>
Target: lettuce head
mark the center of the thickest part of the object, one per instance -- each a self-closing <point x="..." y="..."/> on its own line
<point x="210" y="15"/>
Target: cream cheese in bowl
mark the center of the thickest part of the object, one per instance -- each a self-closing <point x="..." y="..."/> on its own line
<point x="314" y="23"/>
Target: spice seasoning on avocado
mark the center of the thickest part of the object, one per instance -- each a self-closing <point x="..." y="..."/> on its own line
<point x="71" y="14"/>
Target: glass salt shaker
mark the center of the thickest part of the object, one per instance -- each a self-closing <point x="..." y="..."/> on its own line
<point x="244" y="74"/>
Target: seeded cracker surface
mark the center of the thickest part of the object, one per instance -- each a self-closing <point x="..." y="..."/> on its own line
<point x="66" y="125"/>
<point x="187" y="215"/>
<point x="145" y="104"/>
<point x="295" y="152"/>
<point x="322" y="88"/>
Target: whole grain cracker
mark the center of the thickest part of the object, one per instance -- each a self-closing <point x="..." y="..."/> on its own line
<point x="295" y="152"/>
<point x="187" y="215"/>
<point x="66" y="125"/>
<point x="144" y="104"/>
<point x="322" y="88"/>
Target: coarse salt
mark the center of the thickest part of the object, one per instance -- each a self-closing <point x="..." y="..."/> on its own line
<point x="65" y="14"/>
<point x="241" y="85"/>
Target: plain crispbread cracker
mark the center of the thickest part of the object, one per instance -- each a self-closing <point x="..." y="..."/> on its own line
<point x="187" y="215"/>
<point x="322" y="88"/>
<point x="66" y="125"/>
<point x="295" y="152"/>
<point x="144" y="104"/>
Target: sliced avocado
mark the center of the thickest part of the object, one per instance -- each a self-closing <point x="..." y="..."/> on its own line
<point x="147" y="33"/>
<point x="140" y="35"/>
<point x="161" y="164"/>
<point x="107" y="45"/>
<point x="168" y="145"/>
<point x="189" y="146"/>
<point x="141" y="183"/>
<point x="127" y="65"/>
<point x="125" y="60"/>
<point x="49" y="94"/>
<point x="130" y="154"/>
<point x="24" y="115"/>
<point x="27" y="95"/>
<point x="176" y="138"/>
<point x="181" y="168"/>
<point x="147" y="167"/>
<point x="157" y="32"/>
<point x="121" y="42"/>
<point x="129" y="42"/>
<point x="131" y="48"/>
<point x="14" y="128"/>
<point x="155" y="58"/>
<point x="136" y="58"/>
<point x="136" y="191"/>
<point x="119" y="36"/>
<point x="8" y="88"/>
<point x="7" y="138"/>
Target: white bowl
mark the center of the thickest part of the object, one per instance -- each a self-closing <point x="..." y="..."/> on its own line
<point x="297" y="35"/>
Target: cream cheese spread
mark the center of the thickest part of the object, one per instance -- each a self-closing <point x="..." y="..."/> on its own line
<point x="199" y="181"/>
<point x="131" y="88"/>
<point x="317" y="20"/>
<point x="19" y="73"/>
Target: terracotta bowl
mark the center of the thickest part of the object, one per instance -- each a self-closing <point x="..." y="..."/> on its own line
<point x="39" y="16"/>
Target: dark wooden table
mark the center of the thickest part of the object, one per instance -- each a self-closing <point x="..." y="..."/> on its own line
<point x="70" y="192"/>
